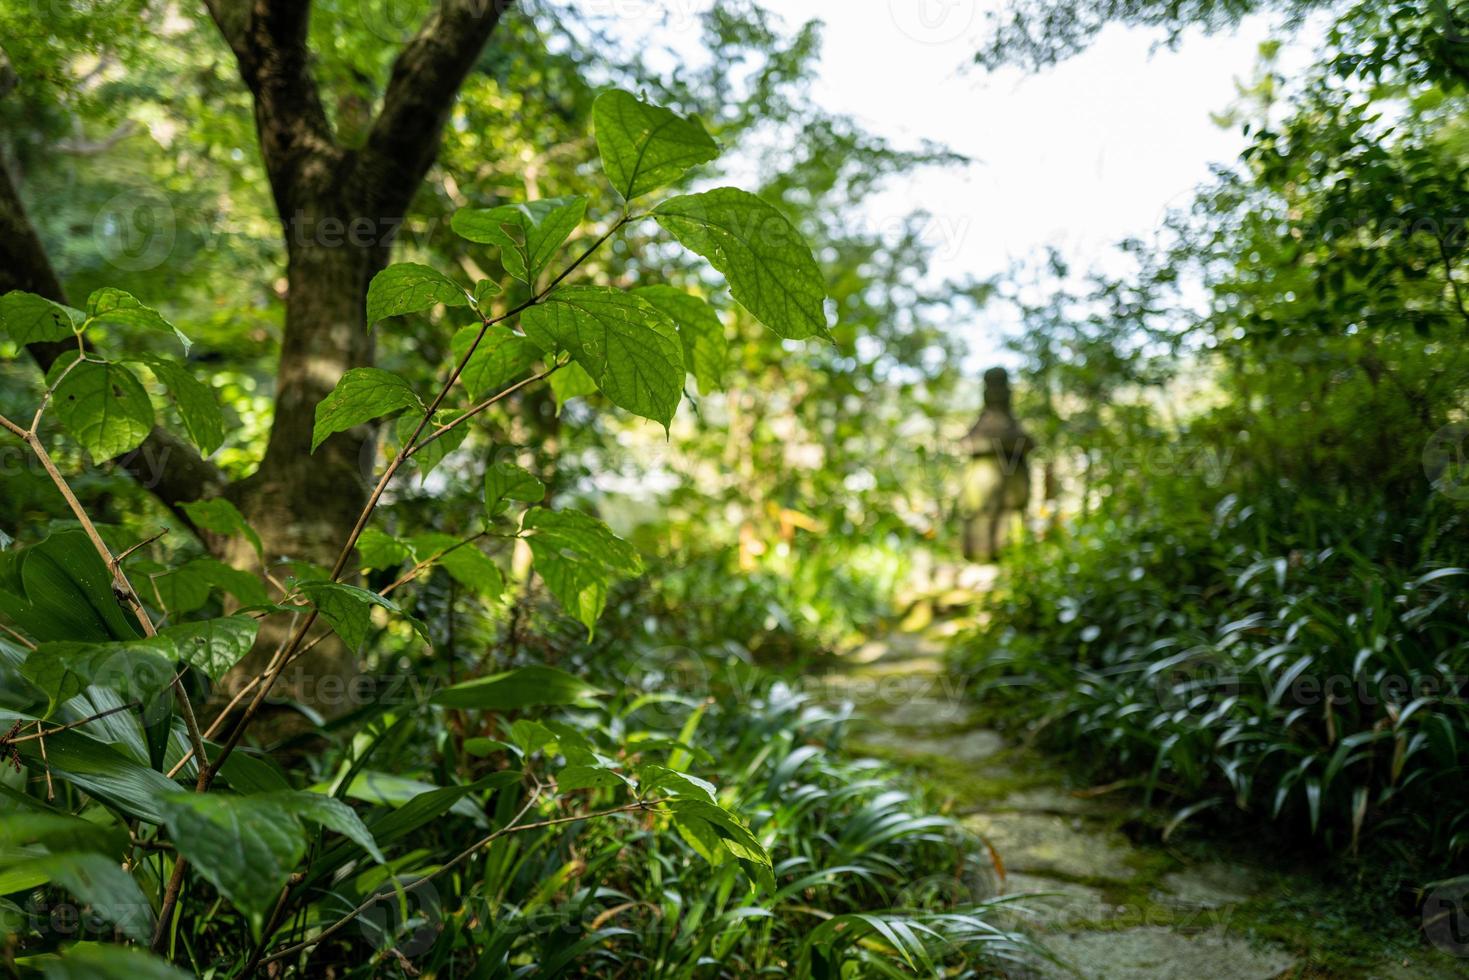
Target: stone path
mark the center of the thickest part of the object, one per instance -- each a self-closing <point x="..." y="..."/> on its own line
<point x="1106" y="906"/>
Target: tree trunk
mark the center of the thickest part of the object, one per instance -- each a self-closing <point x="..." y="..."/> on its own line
<point x="304" y="504"/>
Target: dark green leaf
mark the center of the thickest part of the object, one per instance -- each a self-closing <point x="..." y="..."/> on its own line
<point x="349" y="610"/>
<point x="362" y="395"/>
<point x="219" y="516"/>
<point x="97" y="882"/>
<point x="214" y="645"/>
<point x="246" y="846"/>
<point x="330" y="813"/>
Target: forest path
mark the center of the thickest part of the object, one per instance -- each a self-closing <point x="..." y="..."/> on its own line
<point x="1117" y="903"/>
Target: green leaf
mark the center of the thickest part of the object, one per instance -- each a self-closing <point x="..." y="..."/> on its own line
<point x="60" y="832"/>
<point x="769" y="266"/>
<point x="60" y="589"/>
<point x="95" y="881"/>
<point x="705" y="346"/>
<point x="104" y="407"/>
<point x="114" y="307"/>
<point x="588" y="777"/>
<point x="527" y="234"/>
<point x="484" y="290"/>
<point x="505" y="482"/>
<point x="214" y="645"/>
<point x="99" y="769"/>
<point x="408" y="287"/>
<point x="198" y="408"/>
<point x="433" y="453"/>
<point x="246" y="846"/>
<point x="644" y="146"/>
<point x="108" y="961"/>
<point x="735" y="837"/>
<point x="30" y="319"/>
<point x="626" y="346"/>
<point x="187" y="588"/>
<point x="362" y="395"/>
<point x="135" y="669"/>
<point x="380" y="549"/>
<point x="330" y="813"/>
<point x="675" y="782"/>
<point x="218" y="516"/>
<point x="349" y="610"/>
<point x="579" y="558"/>
<point x="570" y="381"/>
<point x="501" y="357"/>
<point x="521" y="688"/>
<point x="469" y="566"/>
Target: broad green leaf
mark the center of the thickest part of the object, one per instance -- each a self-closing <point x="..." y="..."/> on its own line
<point x="676" y="783"/>
<point x="214" y="645"/>
<point x="469" y="566"/>
<point x="113" y="307"/>
<point x="60" y="589"/>
<point x="104" y="407"/>
<point x="198" y="408"/>
<point x="528" y="234"/>
<point x="501" y="357"/>
<point x="505" y="482"/>
<point x="579" y="558"/>
<point x="97" y="882"/>
<point x="521" y="688"/>
<point x="626" y="346"/>
<point x="484" y="291"/>
<point x="380" y="549"/>
<point x="568" y="382"/>
<point x="767" y="263"/>
<point x="135" y="669"/>
<point x="330" y="813"/>
<point x="60" y="832"/>
<point x="644" y="146"/>
<point x="28" y="319"/>
<point x="246" y="846"/>
<point x="362" y="395"/>
<point x="349" y="610"/>
<point x="99" y="769"/>
<point x="408" y="287"/>
<point x="433" y="453"/>
<point x="734" y="836"/>
<point x="705" y="346"/>
<point x="187" y="588"/>
<point x="218" y="516"/>
<point x="108" y="961"/>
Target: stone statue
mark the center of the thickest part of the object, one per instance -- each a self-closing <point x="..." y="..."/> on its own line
<point x="996" y="486"/>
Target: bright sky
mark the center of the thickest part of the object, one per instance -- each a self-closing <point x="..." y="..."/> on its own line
<point x="1078" y="156"/>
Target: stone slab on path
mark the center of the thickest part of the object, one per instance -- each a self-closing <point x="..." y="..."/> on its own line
<point x="1051" y="844"/>
<point x="972" y="747"/>
<point x="1155" y="953"/>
